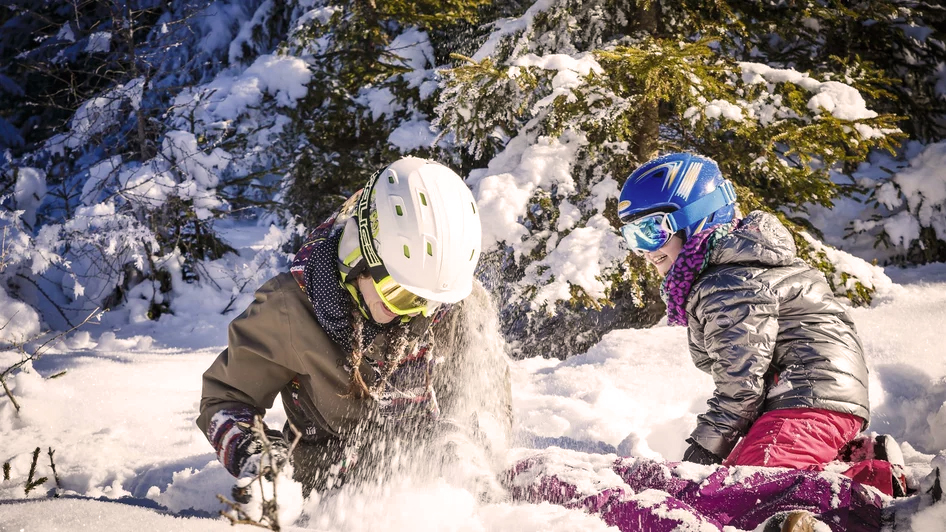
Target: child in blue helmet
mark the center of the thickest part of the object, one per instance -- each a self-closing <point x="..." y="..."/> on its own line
<point x="791" y="380"/>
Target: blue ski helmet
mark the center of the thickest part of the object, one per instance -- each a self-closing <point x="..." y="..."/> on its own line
<point x="687" y="187"/>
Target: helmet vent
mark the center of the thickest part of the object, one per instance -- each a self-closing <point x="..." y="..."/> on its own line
<point x="407" y="251"/>
<point x="474" y="207"/>
<point x="472" y="253"/>
<point x="400" y="212"/>
<point x="430" y="249"/>
<point x="423" y="199"/>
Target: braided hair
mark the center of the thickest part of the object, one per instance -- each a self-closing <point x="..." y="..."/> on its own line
<point x="399" y="346"/>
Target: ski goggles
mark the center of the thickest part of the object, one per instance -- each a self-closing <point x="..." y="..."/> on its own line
<point x="395" y="297"/>
<point x="400" y="300"/>
<point x="649" y="233"/>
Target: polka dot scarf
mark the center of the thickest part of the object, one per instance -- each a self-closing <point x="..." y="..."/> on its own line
<point x="693" y="259"/>
<point x="315" y="268"/>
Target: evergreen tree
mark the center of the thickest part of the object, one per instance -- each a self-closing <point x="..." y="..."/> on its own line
<point x="781" y="108"/>
<point x="371" y="95"/>
<point x="128" y="127"/>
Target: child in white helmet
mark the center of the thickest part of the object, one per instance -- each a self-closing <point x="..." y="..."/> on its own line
<point x="353" y="335"/>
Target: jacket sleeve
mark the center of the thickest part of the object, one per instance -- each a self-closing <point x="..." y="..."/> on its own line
<point x="737" y="322"/>
<point x="701" y="359"/>
<point x="259" y="359"/>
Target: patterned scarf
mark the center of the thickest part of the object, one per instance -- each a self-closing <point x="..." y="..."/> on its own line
<point x="315" y="269"/>
<point x="693" y="259"/>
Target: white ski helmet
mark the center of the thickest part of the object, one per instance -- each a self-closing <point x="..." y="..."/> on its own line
<point x="418" y="225"/>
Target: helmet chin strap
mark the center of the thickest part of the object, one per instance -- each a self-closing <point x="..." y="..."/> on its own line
<point x="358" y="299"/>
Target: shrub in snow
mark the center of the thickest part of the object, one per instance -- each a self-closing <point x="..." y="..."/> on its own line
<point x="110" y="198"/>
<point x="18" y="321"/>
<point x="911" y="223"/>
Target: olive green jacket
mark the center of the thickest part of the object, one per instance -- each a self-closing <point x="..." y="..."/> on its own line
<point x="277" y="346"/>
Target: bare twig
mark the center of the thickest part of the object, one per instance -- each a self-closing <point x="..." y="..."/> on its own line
<point x="52" y="466"/>
<point x="35" y="355"/>
<point x="7" y="391"/>
<point x="269" y="517"/>
<point x="48" y="298"/>
<point x="246" y="281"/>
<point x="241" y="517"/>
<point x="3" y="249"/>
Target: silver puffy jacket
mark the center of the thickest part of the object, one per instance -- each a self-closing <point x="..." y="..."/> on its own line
<point x="766" y="326"/>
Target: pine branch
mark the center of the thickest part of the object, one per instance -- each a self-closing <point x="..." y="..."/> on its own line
<point x="30" y="483"/>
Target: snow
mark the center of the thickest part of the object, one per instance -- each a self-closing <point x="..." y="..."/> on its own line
<point x="68" y="515"/>
<point x="923" y="187"/>
<point x="285" y="77"/>
<point x="244" y="37"/>
<point x="414" y="52"/>
<point x="910" y="192"/>
<point x="413" y="134"/>
<point x="230" y="94"/>
<point x="96" y="115"/>
<point x="503" y="190"/>
<point x="595" y="240"/>
<point x="100" y="41"/>
<point x="508" y="27"/>
<point x="29" y="191"/>
<point x="121" y="418"/>
<point x="66" y="33"/>
<point x="379" y="102"/>
<point x="843" y="101"/>
<point x="98" y="174"/>
<point x="217" y="24"/>
<point x="570" y="75"/>
<point x="580" y="65"/>
<point x="18" y="321"/>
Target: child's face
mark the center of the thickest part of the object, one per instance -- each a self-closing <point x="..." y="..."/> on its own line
<point x="378" y="310"/>
<point x="663" y="258"/>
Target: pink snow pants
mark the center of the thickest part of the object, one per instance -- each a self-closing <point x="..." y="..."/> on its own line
<point x="807" y="438"/>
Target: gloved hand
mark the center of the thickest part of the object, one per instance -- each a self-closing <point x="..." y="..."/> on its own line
<point x="258" y="462"/>
<point x="697" y="454"/>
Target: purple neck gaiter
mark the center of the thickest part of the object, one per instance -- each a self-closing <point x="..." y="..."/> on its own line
<point x="693" y="259"/>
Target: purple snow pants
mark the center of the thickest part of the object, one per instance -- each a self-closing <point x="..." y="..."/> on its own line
<point x="644" y="495"/>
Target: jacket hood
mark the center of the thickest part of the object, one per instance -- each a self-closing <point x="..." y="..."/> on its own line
<point x="760" y="238"/>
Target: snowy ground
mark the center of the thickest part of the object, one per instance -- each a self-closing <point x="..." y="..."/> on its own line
<point x="121" y="420"/>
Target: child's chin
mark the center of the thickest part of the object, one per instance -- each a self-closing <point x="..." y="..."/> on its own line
<point x="381" y="314"/>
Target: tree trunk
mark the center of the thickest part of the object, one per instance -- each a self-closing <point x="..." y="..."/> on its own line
<point x="124" y="22"/>
<point x="645" y="140"/>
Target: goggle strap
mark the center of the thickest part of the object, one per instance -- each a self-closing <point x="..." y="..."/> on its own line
<point x="365" y="236"/>
<point x="724" y="195"/>
<point x="378" y="272"/>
